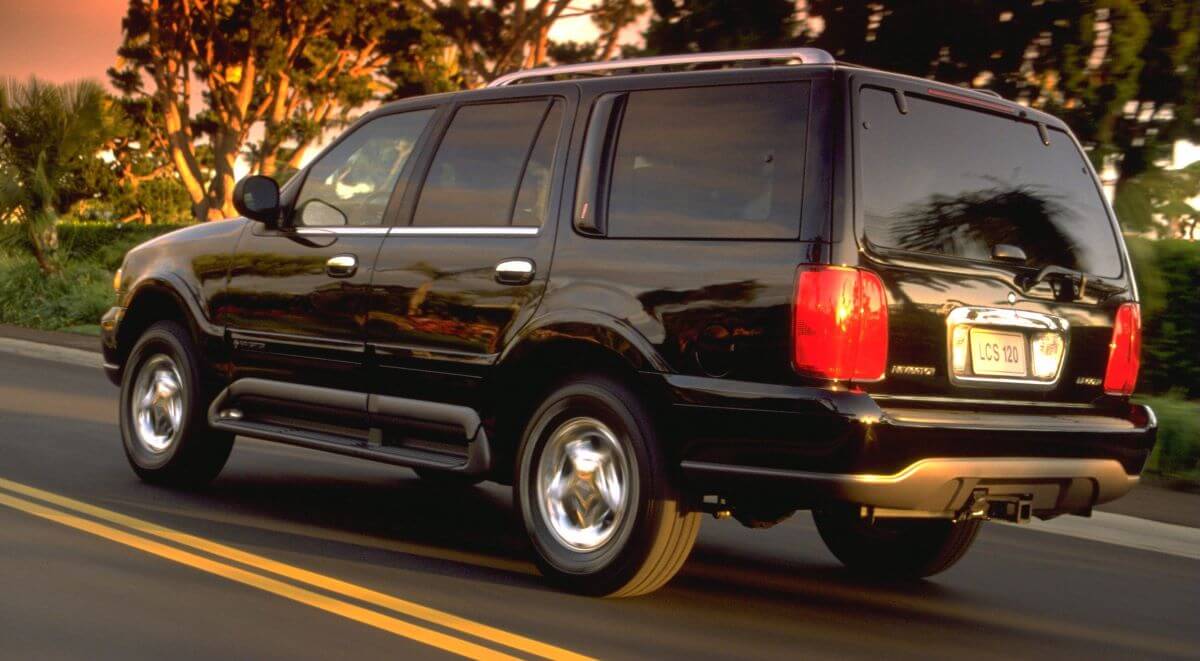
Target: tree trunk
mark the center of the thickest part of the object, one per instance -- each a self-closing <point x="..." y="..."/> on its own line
<point x="43" y="236"/>
<point x="225" y="153"/>
<point x="184" y="160"/>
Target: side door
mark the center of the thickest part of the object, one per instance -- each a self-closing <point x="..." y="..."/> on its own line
<point x="467" y="264"/>
<point x="297" y="295"/>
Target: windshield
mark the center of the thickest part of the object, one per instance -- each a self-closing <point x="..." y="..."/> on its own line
<point x="943" y="179"/>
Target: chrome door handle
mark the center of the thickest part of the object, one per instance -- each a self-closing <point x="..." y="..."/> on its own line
<point x="514" y="272"/>
<point x="341" y="266"/>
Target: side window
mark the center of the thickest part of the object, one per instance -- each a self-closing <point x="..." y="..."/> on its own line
<point x="352" y="183"/>
<point x="533" y="198"/>
<point x="718" y="162"/>
<point x="488" y="151"/>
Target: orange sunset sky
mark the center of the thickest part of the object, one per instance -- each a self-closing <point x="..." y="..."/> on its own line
<point x="62" y="40"/>
<point x="59" y="40"/>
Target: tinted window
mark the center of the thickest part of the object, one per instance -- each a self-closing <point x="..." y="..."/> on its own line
<point x="717" y="162"/>
<point x="533" y="198"/>
<point x="473" y="179"/>
<point x="351" y="183"/>
<point x="948" y="180"/>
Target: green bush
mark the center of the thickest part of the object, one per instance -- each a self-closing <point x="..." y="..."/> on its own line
<point x="105" y="243"/>
<point x="76" y="295"/>
<point x="1177" y="454"/>
<point x="88" y="255"/>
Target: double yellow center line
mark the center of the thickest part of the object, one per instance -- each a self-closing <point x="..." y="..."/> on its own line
<point x="265" y="574"/>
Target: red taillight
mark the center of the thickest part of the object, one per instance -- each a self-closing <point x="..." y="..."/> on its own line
<point x="1125" y="351"/>
<point x="839" y="324"/>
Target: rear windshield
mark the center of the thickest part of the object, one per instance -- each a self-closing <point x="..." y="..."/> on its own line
<point x="947" y="180"/>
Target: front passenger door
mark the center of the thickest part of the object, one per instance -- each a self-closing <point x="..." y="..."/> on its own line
<point x="296" y="299"/>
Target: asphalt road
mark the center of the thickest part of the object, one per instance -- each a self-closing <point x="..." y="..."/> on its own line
<point x="295" y="554"/>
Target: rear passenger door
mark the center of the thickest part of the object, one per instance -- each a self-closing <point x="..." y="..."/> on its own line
<point x="467" y="263"/>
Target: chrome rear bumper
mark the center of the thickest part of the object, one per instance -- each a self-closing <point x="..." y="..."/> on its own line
<point x="946" y="486"/>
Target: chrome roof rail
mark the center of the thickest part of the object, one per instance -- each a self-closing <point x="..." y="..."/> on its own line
<point x="783" y="55"/>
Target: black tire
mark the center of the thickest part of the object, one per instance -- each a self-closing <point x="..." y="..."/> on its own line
<point x="195" y="453"/>
<point x="652" y="537"/>
<point x="447" y="479"/>
<point x="893" y="548"/>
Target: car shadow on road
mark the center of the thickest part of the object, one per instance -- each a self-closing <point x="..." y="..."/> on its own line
<point x="392" y="518"/>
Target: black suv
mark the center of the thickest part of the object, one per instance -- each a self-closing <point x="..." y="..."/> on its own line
<point x="640" y="291"/>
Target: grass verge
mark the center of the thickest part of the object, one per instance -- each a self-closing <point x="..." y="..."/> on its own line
<point x="77" y="295"/>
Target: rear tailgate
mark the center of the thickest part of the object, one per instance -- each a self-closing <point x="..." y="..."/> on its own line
<point x="1002" y="264"/>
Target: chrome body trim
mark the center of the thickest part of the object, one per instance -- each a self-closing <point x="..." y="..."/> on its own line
<point x="1025" y="322"/>
<point x="515" y="267"/>
<point x="465" y="231"/>
<point x="343" y="231"/>
<point x="934" y="399"/>
<point x="341" y="266"/>
<point x="784" y="55"/>
<point x="419" y="231"/>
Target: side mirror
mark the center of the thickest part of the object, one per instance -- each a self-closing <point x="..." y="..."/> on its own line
<point x="319" y="213"/>
<point x="257" y="198"/>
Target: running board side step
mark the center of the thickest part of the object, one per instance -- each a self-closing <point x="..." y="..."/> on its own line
<point x="460" y="423"/>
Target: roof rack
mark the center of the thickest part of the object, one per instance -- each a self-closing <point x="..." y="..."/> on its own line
<point x="781" y="55"/>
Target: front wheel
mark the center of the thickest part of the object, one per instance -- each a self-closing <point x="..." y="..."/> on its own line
<point x="893" y="548"/>
<point x="597" y="497"/>
<point x="164" y="425"/>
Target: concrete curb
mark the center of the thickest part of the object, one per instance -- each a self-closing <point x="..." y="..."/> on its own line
<point x="1127" y="531"/>
<point x="54" y="338"/>
<point x="68" y="355"/>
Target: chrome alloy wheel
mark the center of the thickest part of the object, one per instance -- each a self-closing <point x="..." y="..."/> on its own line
<point x="157" y="403"/>
<point x="583" y="484"/>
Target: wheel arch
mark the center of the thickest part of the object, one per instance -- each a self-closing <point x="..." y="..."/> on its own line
<point x="161" y="298"/>
<point x="549" y="352"/>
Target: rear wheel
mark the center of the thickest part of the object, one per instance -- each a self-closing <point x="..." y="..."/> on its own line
<point x="596" y="495"/>
<point x="164" y="425"/>
<point x="893" y="548"/>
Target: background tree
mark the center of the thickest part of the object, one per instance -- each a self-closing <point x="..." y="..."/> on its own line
<point x="694" y="26"/>
<point x="139" y="183"/>
<point x="293" y="67"/>
<point x="494" y="38"/>
<point x="50" y="137"/>
<point x="611" y="18"/>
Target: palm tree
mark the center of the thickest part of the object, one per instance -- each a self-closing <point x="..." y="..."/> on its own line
<point x="50" y="137"/>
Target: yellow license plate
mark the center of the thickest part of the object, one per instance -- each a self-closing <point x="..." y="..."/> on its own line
<point x="997" y="354"/>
